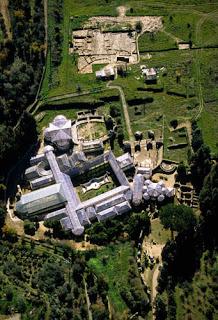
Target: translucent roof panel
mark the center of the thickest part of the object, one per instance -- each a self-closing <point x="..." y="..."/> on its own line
<point x="42" y="199"/>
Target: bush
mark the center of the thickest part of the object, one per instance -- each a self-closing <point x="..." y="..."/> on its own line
<point x="174" y="123"/>
<point x="29" y="227"/>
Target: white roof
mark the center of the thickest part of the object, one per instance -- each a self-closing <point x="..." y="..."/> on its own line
<point x="146" y="196"/>
<point x="149" y="72"/>
<point x="147" y="182"/>
<point x="59" y="130"/>
<point x="160" y="197"/>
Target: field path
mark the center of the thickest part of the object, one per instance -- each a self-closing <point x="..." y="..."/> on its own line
<point x="5" y="12"/>
<point x="125" y="109"/>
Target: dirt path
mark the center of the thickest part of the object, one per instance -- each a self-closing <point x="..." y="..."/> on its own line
<point x="153" y="250"/>
<point x="154" y="282"/>
<point x="5" y="12"/>
<point x="125" y="109"/>
<point x="88" y="301"/>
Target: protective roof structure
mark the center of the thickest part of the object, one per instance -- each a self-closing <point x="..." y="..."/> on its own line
<point x="39" y="200"/>
<point x="156" y="190"/>
<point x="59" y="132"/>
<point x="137" y="189"/>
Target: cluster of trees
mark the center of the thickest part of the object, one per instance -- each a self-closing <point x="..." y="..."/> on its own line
<point x="55" y="36"/>
<point x="116" y="115"/>
<point x="181" y="256"/>
<point x="3" y="27"/>
<point x="104" y="232"/>
<point x="135" y="297"/>
<point x="30" y="227"/>
<point x="208" y="205"/>
<point x="21" y="64"/>
<point x="201" y="158"/>
<point x="177" y="218"/>
<point x="38" y="282"/>
<point x="97" y="289"/>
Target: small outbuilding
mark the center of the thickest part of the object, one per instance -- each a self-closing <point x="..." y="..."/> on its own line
<point x="106" y="73"/>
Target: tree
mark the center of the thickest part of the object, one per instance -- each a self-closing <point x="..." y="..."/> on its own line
<point x="20" y="304"/>
<point x="109" y="123"/>
<point x="197" y="139"/>
<point x="200" y="166"/>
<point x="136" y="223"/>
<point x="160" y="310"/>
<point x="181" y="171"/>
<point x="138" y="26"/>
<point x="208" y="204"/>
<point x="2" y="217"/>
<point x="120" y="136"/>
<point x="99" y="312"/>
<point x="50" y="277"/>
<point x="29" y="227"/>
<point x="177" y="218"/>
<point x="174" y="123"/>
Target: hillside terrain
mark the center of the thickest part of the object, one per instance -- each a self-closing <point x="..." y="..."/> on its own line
<point x="148" y="72"/>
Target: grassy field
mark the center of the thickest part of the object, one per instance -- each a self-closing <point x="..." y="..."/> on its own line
<point x="175" y="137"/>
<point x="209" y="83"/>
<point x="157" y="41"/>
<point x="115" y="272"/>
<point x="208" y="27"/>
<point x="209" y="71"/>
<point x="208" y="124"/>
<point x="158" y="233"/>
<point x="182" y="25"/>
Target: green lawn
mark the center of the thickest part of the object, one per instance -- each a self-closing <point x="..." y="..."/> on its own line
<point x="156" y="41"/>
<point x="208" y="124"/>
<point x="209" y="83"/>
<point x="158" y="233"/>
<point x="209" y="71"/>
<point x="49" y="116"/>
<point x="93" y="193"/>
<point x="207" y="31"/>
<point x="182" y="25"/>
<point x="170" y="138"/>
<point x="115" y="271"/>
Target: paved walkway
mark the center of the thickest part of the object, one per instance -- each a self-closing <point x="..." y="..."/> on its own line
<point x="125" y="109"/>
